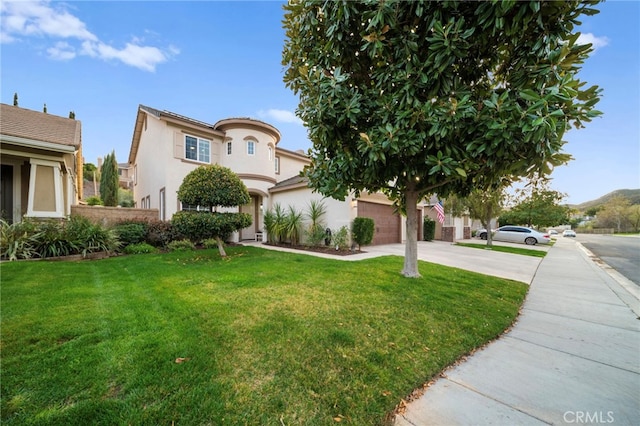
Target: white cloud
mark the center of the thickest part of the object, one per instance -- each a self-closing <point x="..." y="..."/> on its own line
<point x="62" y="51"/>
<point x="27" y="19"/>
<point x="38" y="18"/>
<point x="143" y="57"/>
<point x="597" y="42"/>
<point x="280" y="115"/>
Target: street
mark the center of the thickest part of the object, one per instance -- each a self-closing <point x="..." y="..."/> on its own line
<point x="621" y="253"/>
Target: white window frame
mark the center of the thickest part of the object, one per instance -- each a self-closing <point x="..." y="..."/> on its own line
<point x="57" y="189"/>
<point x="192" y="208"/>
<point x="229" y="148"/>
<point x="162" y="203"/>
<point x="277" y="165"/>
<point x="200" y="143"/>
<point x="251" y="147"/>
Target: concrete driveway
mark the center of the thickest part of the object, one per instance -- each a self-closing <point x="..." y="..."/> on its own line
<point x="504" y="265"/>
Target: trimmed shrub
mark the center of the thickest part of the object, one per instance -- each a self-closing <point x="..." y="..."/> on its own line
<point x="140" y="248"/>
<point x="362" y="230"/>
<point x="94" y="201"/>
<point x="428" y="229"/>
<point x="210" y="243"/>
<point x="131" y="233"/>
<point x="181" y="245"/>
<point x="199" y="226"/>
<point x="161" y="233"/>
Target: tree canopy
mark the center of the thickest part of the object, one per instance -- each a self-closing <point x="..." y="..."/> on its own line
<point x="414" y="98"/>
<point x="211" y="187"/>
<point x="484" y="206"/>
<point x="619" y="214"/>
<point x="537" y="206"/>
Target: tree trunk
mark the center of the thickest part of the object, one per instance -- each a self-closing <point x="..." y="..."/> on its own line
<point x="221" y="247"/>
<point x="410" y="269"/>
<point x="487" y="226"/>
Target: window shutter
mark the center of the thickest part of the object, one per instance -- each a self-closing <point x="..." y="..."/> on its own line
<point x="178" y="145"/>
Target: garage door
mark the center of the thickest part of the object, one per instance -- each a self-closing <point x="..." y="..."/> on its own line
<point x="387" y="223"/>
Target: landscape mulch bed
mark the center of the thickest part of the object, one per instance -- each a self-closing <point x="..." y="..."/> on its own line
<point x="318" y="249"/>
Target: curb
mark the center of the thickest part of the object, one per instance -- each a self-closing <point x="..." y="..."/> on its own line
<point x="629" y="286"/>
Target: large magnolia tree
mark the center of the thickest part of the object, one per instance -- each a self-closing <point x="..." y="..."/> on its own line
<point x="422" y="97"/>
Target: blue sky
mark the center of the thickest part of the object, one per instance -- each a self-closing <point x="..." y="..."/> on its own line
<point x="212" y="60"/>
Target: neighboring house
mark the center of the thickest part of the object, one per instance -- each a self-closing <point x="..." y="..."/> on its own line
<point x="125" y="176"/>
<point x="454" y="227"/>
<point x="91" y="188"/>
<point x="41" y="156"/>
<point x="167" y="146"/>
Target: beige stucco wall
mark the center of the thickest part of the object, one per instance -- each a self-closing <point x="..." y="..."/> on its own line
<point x="290" y="165"/>
<point x="338" y="213"/>
<point x="240" y="161"/>
<point x="158" y="163"/>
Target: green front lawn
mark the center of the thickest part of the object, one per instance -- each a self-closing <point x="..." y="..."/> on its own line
<point x="259" y="338"/>
<point x="506" y="249"/>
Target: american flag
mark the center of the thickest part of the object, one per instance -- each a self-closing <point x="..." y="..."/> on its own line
<point x="440" y="211"/>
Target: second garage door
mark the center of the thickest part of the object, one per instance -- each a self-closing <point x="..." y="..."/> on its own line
<point x="387" y="224"/>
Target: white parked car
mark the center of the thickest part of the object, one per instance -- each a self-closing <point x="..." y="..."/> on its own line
<point x="568" y="233"/>
<point x="517" y="234"/>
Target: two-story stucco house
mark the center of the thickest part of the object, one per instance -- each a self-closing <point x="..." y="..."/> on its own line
<point x="41" y="156"/>
<point x="167" y="146"/>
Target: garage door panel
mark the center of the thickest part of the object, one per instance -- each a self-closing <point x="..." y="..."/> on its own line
<point x="387" y="224"/>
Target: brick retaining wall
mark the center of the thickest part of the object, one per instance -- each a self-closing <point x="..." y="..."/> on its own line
<point x="110" y="215"/>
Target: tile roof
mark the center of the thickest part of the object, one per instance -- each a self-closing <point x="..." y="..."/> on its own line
<point x="292" y="181"/>
<point x="38" y="126"/>
<point x="158" y="113"/>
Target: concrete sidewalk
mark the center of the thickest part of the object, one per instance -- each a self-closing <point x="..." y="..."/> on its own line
<point x="573" y="357"/>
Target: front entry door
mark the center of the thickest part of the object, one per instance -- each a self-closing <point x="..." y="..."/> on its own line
<point x="249" y="233"/>
<point x="6" y="193"/>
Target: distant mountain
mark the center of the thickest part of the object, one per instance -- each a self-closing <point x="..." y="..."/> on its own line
<point x="633" y="195"/>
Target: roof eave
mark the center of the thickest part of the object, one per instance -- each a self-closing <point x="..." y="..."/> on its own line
<point x="32" y="143"/>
